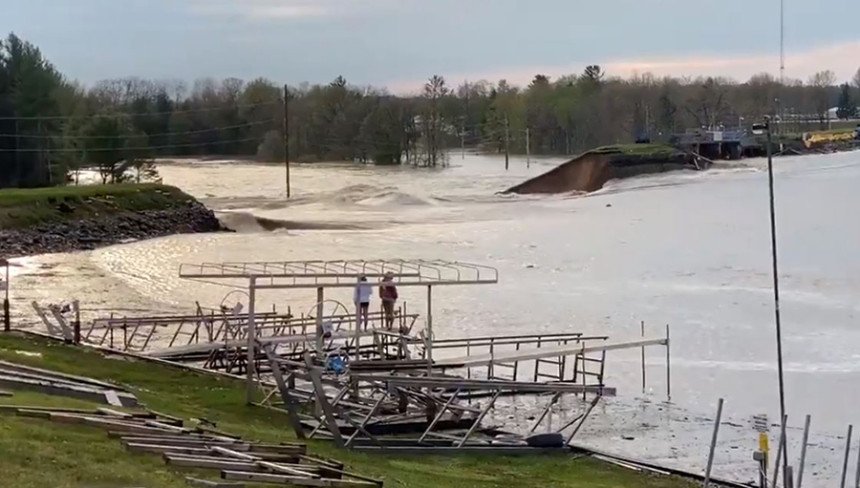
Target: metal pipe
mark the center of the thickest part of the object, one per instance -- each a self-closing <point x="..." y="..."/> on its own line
<point x="803" y="452"/>
<point x="847" y="453"/>
<point x="643" y="358"/>
<point x="780" y="454"/>
<point x="668" y="367"/>
<point x="782" y="411"/>
<point x="713" y="443"/>
<point x="252" y="332"/>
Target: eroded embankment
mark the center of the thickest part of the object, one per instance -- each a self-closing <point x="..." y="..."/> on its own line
<point x="591" y="170"/>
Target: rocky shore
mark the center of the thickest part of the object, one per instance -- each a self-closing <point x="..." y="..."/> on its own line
<point x="76" y="235"/>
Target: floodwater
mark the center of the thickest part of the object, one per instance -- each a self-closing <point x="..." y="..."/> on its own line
<point x="687" y="249"/>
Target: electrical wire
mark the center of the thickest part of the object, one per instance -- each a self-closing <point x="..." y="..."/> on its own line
<point x="141" y="148"/>
<point x="142" y="114"/>
<point x="202" y="131"/>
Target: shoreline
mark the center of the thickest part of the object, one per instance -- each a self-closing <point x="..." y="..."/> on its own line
<point x="67" y="219"/>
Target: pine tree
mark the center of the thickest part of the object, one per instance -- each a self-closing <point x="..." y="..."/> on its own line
<point x="847" y="107"/>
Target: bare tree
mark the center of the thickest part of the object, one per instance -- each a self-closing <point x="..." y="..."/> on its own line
<point x="434" y="90"/>
<point x="856" y="79"/>
<point x="822" y="83"/>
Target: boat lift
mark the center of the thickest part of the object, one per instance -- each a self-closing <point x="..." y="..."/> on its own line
<point x="319" y="275"/>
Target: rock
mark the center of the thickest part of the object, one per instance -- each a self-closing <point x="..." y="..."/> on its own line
<point x="628" y="438"/>
<point x="107" y="230"/>
<point x="64" y="207"/>
<point x="545" y="440"/>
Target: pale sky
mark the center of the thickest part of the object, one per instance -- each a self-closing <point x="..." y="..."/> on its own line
<point x="400" y="43"/>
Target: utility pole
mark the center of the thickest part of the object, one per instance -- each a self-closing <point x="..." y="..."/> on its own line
<point x="528" y="148"/>
<point x="286" y="138"/>
<point x="507" y="142"/>
<point x="462" y="141"/>
<point x="781" y="42"/>
<point x="776" y="283"/>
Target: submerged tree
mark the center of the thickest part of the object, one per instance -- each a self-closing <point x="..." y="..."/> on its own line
<point x="432" y="123"/>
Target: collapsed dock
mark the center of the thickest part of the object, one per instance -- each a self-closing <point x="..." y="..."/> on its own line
<point x="387" y="385"/>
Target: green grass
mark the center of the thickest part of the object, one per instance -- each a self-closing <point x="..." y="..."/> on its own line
<point x="644" y="150"/>
<point x="26" y="207"/>
<point x="37" y="453"/>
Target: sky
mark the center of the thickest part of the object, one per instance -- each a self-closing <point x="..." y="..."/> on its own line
<point x="398" y="44"/>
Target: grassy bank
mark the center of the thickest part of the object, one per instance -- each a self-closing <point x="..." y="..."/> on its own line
<point x="36" y="453"/>
<point x="26" y="207"/>
<point x="638" y="150"/>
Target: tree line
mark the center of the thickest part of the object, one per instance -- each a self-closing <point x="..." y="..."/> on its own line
<point x="50" y="125"/>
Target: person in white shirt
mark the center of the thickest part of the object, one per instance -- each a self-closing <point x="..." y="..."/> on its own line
<point x="361" y="297"/>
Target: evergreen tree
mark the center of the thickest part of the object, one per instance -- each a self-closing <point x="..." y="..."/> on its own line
<point x="847" y="107"/>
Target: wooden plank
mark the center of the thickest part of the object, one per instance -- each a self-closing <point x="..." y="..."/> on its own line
<point x="165" y="449"/>
<point x="114" y="413"/>
<point x="291" y="449"/>
<point x="284" y="469"/>
<point x="294" y="480"/>
<point x="15" y="408"/>
<point x="234" y="454"/>
<point x="168" y="427"/>
<point x="187" y="442"/>
<point x="64" y="376"/>
<point x="4" y="393"/>
<point x="219" y="464"/>
<point x="162" y="416"/>
<point x="212" y="484"/>
<point x="112" y="398"/>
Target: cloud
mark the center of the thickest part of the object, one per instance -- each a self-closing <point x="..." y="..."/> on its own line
<point x="275" y="10"/>
<point x="840" y="58"/>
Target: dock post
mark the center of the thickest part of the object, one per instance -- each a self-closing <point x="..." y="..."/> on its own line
<point x="77" y="324"/>
<point x="857" y="473"/>
<point x="7" y="321"/>
<point x="713" y="443"/>
<point x="643" y="358"/>
<point x="251" y="336"/>
<point x="803" y="453"/>
<point x="781" y="451"/>
<point x="847" y="452"/>
<point x="668" y="368"/>
<point x="319" y="320"/>
<point x="429" y="328"/>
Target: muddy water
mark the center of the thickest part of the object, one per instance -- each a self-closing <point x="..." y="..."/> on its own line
<point x="687" y="249"/>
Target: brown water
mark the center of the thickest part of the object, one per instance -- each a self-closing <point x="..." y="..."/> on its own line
<point x="688" y="249"/>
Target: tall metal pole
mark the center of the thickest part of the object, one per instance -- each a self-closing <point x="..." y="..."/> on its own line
<point x="781" y="41"/>
<point x="528" y="148"/>
<point x="803" y="452"/>
<point x="847" y="453"/>
<point x="287" y="137"/>
<point x="713" y="443"/>
<point x="507" y="142"/>
<point x="252" y="337"/>
<point x="782" y="412"/>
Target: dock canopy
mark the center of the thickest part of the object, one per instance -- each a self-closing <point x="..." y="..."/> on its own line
<point x="339" y="273"/>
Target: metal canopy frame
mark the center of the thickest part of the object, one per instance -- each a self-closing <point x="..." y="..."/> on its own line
<point x="344" y="273"/>
<point x="339" y="273"/>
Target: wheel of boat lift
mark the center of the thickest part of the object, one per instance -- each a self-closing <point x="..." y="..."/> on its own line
<point x="237" y="308"/>
<point x="334" y="315"/>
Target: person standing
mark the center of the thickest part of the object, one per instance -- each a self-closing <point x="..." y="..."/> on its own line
<point x="361" y="297"/>
<point x="388" y="295"/>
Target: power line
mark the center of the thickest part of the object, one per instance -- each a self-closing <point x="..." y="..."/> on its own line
<point x="142" y="114"/>
<point x="202" y="131"/>
<point x="141" y="148"/>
